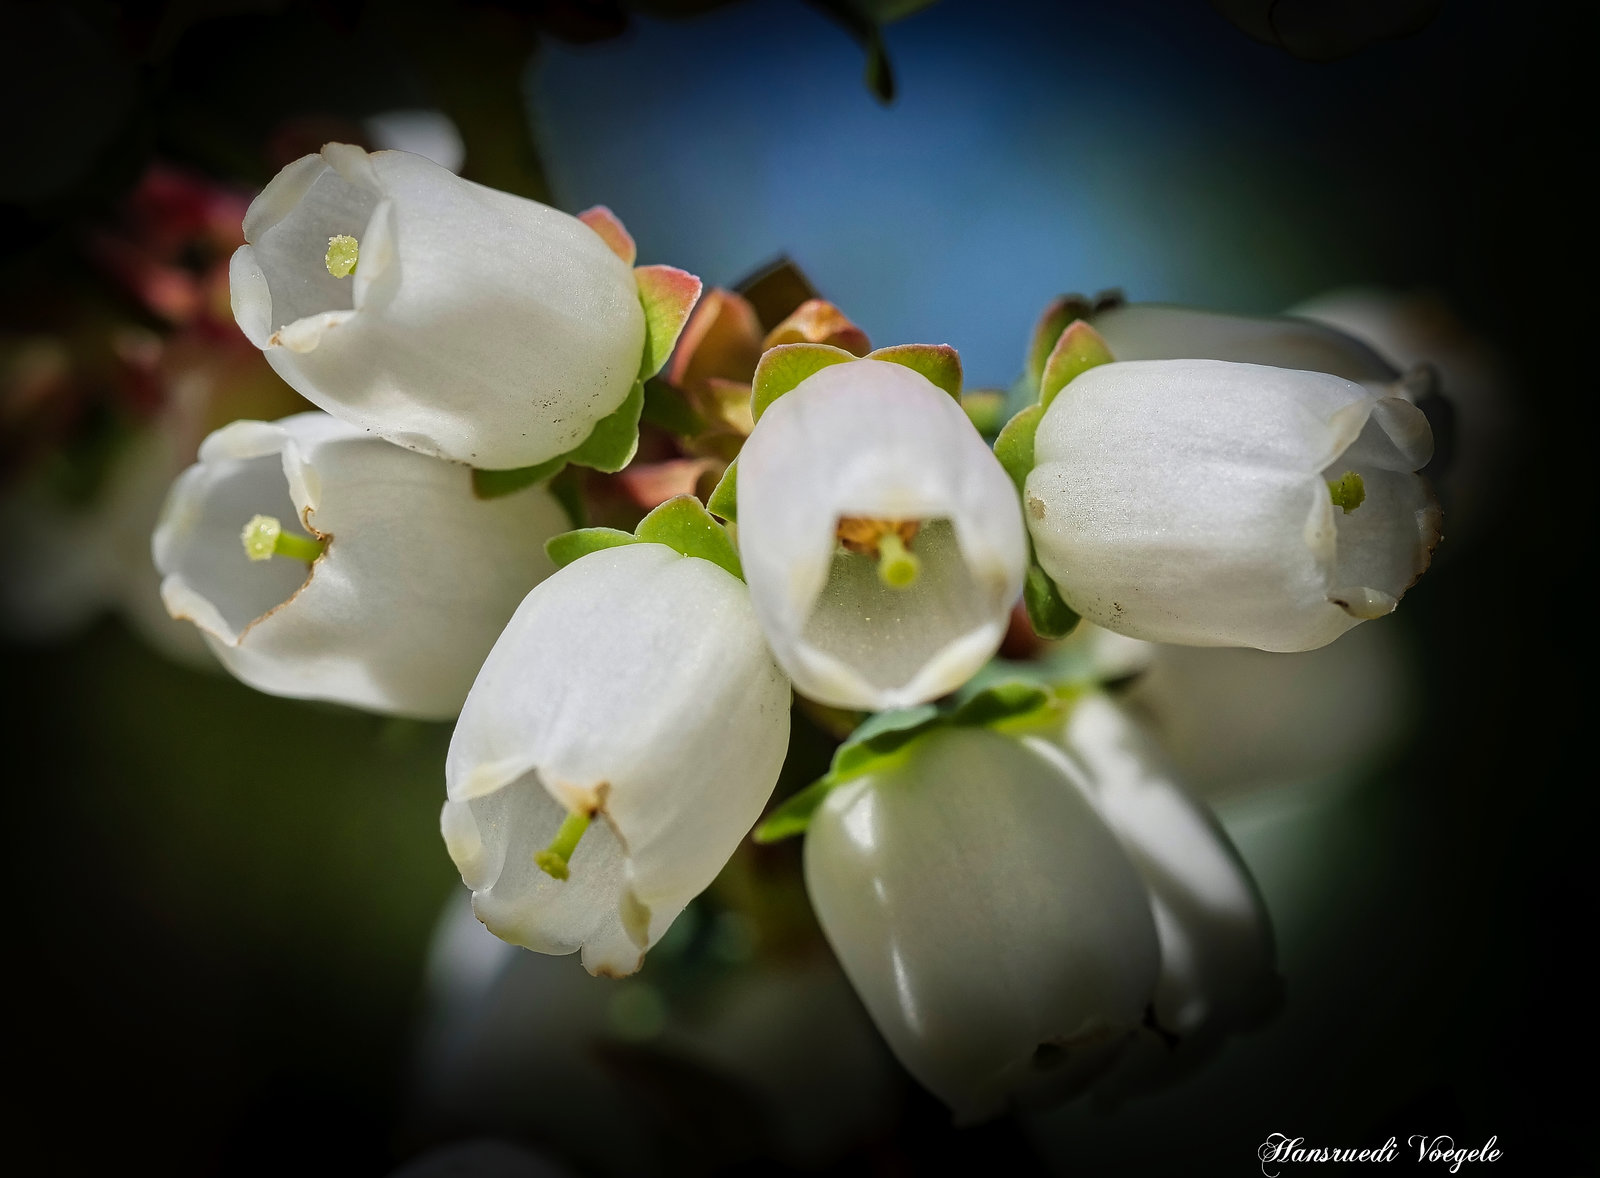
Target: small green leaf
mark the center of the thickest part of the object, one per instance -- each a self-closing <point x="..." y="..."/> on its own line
<point x="569" y="546"/>
<point x="1005" y="704"/>
<point x="1079" y="349"/>
<point x="793" y="815"/>
<point x="1057" y="316"/>
<point x="785" y="366"/>
<point x="724" y="499"/>
<point x="610" y="446"/>
<point x="880" y="738"/>
<point x="1014" y="446"/>
<point x="667" y="295"/>
<point x="665" y="406"/>
<point x="683" y="525"/>
<point x="1050" y="616"/>
<point x="940" y="363"/>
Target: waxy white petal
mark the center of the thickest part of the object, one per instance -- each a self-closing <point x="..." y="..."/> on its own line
<point x="417" y="578"/>
<point x="876" y="440"/>
<point x="478" y="326"/>
<point x="991" y="922"/>
<point x="633" y="684"/>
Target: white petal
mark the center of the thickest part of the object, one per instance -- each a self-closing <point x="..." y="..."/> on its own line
<point x="385" y="618"/>
<point x="1156" y="331"/>
<point x="1186" y="501"/>
<point x="876" y="440"/>
<point x="991" y="923"/>
<point x="478" y="326"/>
<point x="635" y="682"/>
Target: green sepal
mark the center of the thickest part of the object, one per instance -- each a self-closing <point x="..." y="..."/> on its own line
<point x="723" y="502"/>
<point x="667" y="295"/>
<point x="986" y="409"/>
<point x="885" y="740"/>
<point x="1048" y="614"/>
<point x="1079" y="349"/>
<point x="1056" y="319"/>
<point x="1014" y="446"/>
<point x="609" y="447"/>
<point x="684" y="525"/>
<point x="785" y="366"/>
<point x="569" y="546"/>
<point x="665" y="406"/>
<point x="940" y="363"/>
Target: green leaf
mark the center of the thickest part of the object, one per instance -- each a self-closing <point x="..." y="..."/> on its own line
<point x="1050" y="616"/>
<point x="940" y="363"/>
<point x="879" y="738"/>
<point x="793" y="815"/>
<point x="569" y="546"/>
<point x="986" y="409"/>
<point x="665" y="406"/>
<point x="1057" y="316"/>
<point x="1004" y="705"/>
<point x="667" y="295"/>
<point x="724" y="499"/>
<point x="783" y="367"/>
<point x="610" y="446"/>
<point x="683" y="525"/>
<point x="1079" y="349"/>
<point x="1014" y="446"/>
<point x="567" y="487"/>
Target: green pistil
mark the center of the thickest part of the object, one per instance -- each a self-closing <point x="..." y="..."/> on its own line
<point x="264" y="538"/>
<point x="898" y="566"/>
<point x="343" y="252"/>
<point x="553" y="859"/>
<point x="1348" y="491"/>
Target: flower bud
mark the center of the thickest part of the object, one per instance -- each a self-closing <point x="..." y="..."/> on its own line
<point x="622" y="738"/>
<point x="1218" y="504"/>
<point x="880" y="536"/>
<point x="376" y="580"/>
<point x="444" y="316"/>
<point x="991" y="922"/>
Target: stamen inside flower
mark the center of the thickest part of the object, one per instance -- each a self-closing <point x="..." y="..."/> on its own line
<point x="1348" y="491"/>
<point x="553" y="859"/>
<point x="263" y="538"/>
<point x="889" y="541"/>
<point x="343" y="253"/>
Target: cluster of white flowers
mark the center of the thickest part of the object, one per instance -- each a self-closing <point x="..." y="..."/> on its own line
<point x="1018" y="888"/>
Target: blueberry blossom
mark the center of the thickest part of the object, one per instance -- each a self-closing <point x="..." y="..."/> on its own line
<point x="448" y="317"/>
<point x="881" y="539"/>
<point x="621" y="739"/>
<point x="322" y="563"/>
<point x="992" y="923"/>
<point x="1220" y="504"/>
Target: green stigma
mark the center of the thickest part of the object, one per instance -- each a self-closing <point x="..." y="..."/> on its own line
<point x="553" y="859"/>
<point x="898" y="566"/>
<point x="264" y="538"/>
<point x="1348" y="491"/>
<point x="343" y="252"/>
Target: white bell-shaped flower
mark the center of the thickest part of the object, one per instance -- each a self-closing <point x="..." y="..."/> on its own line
<point x="991" y="922"/>
<point x="368" y="575"/>
<point x="1216" y="940"/>
<point x="1219" y="504"/>
<point x="447" y="317"/>
<point x="881" y="538"/>
<point x="634" y="687"/>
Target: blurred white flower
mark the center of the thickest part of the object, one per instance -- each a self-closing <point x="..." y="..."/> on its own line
<point x="881" y="538"/>
<point x="1219" y="504"/>
<point x="633" y="686"/>
<point x="447" y="317"/>
<point x="390" y="597"/>
<point x="992" y="923"/>
<point x="428" y="133"/>
<point x="1216" y="940"/>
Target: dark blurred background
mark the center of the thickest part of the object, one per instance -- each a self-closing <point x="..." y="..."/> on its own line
<point x="223" y="902"/>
